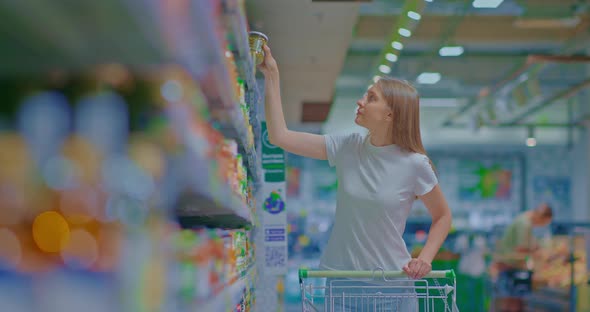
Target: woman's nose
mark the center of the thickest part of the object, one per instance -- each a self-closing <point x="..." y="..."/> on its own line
<point x="360" y="103"/>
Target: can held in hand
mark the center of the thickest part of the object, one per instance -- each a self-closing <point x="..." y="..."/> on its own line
<point x="257" y="40"/>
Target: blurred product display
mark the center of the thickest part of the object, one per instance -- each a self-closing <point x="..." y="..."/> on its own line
<point x="130" y="184"/>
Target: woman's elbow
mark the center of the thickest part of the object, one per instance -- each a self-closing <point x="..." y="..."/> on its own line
<point x="446" y="218"/>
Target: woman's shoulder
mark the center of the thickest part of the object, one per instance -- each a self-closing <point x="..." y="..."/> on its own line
<point x="418" y="159"/>
<point x="347" y="137"/>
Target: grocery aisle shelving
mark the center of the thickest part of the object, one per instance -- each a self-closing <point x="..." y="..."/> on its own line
<point x="231" y="292"/>
<point x="211" y="204"/>
<point x="201" y="83"/>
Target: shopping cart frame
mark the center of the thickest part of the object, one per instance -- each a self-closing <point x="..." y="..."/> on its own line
<point x="382" y="276"/>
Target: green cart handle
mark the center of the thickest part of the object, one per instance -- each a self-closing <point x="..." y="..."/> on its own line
<point x="306" y="273"/>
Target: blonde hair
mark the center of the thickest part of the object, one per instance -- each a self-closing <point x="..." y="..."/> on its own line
<point x="404" y="101"/>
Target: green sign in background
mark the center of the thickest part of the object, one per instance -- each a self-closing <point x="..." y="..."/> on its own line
<point x="273" y="159"/>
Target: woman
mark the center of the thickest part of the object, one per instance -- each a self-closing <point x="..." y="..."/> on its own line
<point x="380" y="175"/>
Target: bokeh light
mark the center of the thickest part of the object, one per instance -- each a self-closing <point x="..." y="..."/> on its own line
<point x="110" y="239"/>
<point x="60" y="173"/>
<point x="12" y="203"/>
<point x="80" y="205"/>
<point x="102" y="119"/>
<point x="84" y="157"/>
<point x="123" y="176"/>
<point x="81" y="252"/>
<point x="172" y="91"/>
<point x="147" y="156"/>
<point x="15" y="160"/>
<point x="128" y="210"/>
<point x="10" y="251"/>
<point x="44" y="122"/>
<point x="51" y="232"/>
<point x="115" y="75"/>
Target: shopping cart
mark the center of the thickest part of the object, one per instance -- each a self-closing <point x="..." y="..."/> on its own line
<point x="377" y="291"/>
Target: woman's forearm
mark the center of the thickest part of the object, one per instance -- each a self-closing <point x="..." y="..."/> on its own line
<point x="436" y="236"/>
<point x="275" y="119"/>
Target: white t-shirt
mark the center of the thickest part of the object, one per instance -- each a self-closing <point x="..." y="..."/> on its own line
<point x="376" y="189"/>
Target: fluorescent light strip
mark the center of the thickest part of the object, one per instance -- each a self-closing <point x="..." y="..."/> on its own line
<point x="385" y="69"/>
<point x="414" y="15"/>
<point x="391" y="57"/>
<point x="397" y="45"/>
<point x="429" y="78"/>
<point x="451" y="51"/>
<point x="405" y="32"/>
<point x="487" y="4"/>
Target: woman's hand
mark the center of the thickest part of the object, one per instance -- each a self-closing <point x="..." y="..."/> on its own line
<point x="269" y="65"/>
<point x="417" y="268"/>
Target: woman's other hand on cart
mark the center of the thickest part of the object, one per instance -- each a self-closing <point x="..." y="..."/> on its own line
<point x="417" y="268"/>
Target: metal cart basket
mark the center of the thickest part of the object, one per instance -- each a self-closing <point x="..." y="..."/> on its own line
<point x="376" y="291"/>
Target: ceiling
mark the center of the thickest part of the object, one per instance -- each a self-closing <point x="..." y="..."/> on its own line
<point x="310" y="42"/>
<point x="329" y="52"/>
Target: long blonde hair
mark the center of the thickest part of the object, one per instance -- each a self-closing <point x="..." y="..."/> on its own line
<point x="404" y="101"/>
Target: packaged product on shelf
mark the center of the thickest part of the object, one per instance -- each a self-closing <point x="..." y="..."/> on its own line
<point x="204" y="265"/>
<point x="250" y="136"/>
<point x="245" y="109"/>
<point x="552" y="265"/>
<point x="242" y="179"/>
<point x="232" y="70"/>
<point x="251" y="199"/>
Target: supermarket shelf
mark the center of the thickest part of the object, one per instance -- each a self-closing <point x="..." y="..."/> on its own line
<point x="75" y="36"/>
<point x="235" y="129"/>
<point x="135" y="34"/>
<point x="210" y="208"/>
<point x="230" y="294"/>
<point x="238" y="37"/>
<point x="201" y="210"/>
<point x="547" y="299"/>
<point x="254" y="166"/>
<point x="204" y="200"/>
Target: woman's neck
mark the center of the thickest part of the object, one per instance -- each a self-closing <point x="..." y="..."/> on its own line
<point x="381" y="139"/>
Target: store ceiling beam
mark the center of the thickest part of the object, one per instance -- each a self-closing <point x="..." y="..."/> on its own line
<point x="559" y="96"/>
<point x="572" y="46"/>
<point x="531" y="67"/>
<point x="447" y="8"/>
<point x="524" y="125"/>
<point x="446" y="36"/>
<point x="507" y="55"/>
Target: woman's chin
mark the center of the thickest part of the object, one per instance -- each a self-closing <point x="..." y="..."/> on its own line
<point x="357" y="120"/>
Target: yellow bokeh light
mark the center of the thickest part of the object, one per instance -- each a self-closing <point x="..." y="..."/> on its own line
<point x="303" y="240"/>
<point x="51" y="232"/>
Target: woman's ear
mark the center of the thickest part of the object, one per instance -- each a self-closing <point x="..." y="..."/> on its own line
<point x="389" y="116"/>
